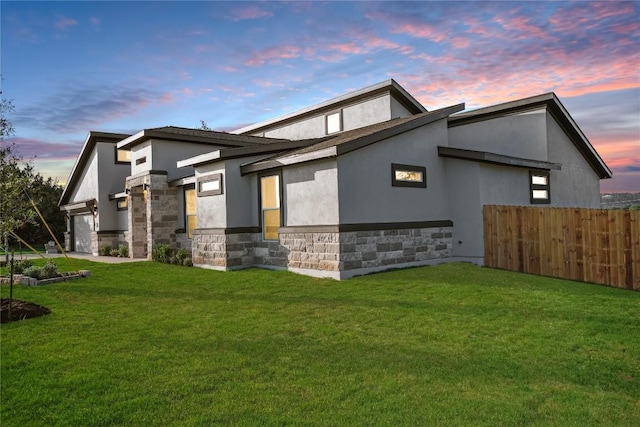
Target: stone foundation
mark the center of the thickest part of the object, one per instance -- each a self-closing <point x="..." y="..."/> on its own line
<point x="337" y="254"/>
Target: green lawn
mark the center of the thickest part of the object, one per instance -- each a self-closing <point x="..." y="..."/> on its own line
<point x="145" y="344"/>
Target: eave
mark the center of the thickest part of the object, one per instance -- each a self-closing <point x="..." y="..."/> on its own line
<point x="496" y="159"/>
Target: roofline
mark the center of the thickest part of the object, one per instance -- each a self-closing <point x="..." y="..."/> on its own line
<point x="496" y="159"/>
<point x="390" y="86"/>
<point x="81" y="160"/>
<point x="216" y="138"/>
<point x="349" y="146"/>
<point x="560" y="114"/>
<point x="231" y="153"/>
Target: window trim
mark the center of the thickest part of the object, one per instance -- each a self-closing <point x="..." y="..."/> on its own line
<point x="396" y="167"/>
<point x="141" y="160"/>
<point x="210" y="178"/>
<point x="121" y="162"/>
<point x="261" y="210"/>
<point x="532" y="187"/>
<point x="326" y="122"/>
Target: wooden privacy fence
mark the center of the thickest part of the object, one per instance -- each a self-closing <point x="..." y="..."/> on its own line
<point x="591" y="245"/>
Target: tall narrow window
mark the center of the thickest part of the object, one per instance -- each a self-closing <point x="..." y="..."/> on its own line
<point x="270" y="206"/>
<point x="540" y="189"/>
<point x="190" y="211"/>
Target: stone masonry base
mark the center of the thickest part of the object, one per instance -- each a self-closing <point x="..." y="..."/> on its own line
<point x="338" y="255"/>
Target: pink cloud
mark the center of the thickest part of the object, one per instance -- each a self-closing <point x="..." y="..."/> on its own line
<point x="273" y="54"/>
<point x="422" y="31"/>
<point x="249" y="12"/>
<point x="63" y="23"/>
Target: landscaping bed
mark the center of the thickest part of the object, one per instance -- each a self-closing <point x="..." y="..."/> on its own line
<point x="20" y="310"/>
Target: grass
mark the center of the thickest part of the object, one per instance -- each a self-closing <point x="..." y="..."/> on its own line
<point x="154" y="344"/>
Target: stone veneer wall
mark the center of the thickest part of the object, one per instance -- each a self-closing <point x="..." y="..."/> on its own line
<point x="328" y="253"/>
<point x="107" y="238"/>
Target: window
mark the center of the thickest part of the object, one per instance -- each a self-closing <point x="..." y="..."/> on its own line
<point x="210" y="185"/>
<point x="408" y="176"/>
<point x="333" y="122"/>
<point x="540" y="192"/>
<point x="123" y="204"/>
<point x="123" y="156"/>
<point x="270" y="206"/>
<point x="190" y="211"/>
<point x="141" y="160"/>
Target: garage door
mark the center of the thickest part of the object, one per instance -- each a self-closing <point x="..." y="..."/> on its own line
<point x="82" y="227"/>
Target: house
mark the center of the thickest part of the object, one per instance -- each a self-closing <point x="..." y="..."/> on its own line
<point x="363" y="182"/>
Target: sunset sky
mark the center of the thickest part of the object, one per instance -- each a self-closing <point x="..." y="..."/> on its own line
<point x="71" y="67"/>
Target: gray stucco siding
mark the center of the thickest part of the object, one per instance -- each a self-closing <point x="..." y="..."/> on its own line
<point x="576" y="184"/>
<point x="366" y="194"/>
<point x="311" y="194"/>
<point x="523" y="135"/>
<point x="111" y="176"/>
<point x="366" y="113"/>
<point x="398" y="110"/>
<point x="211" y="211"/>
<point x="308" y="128"/>
<point x="87" y="187"/>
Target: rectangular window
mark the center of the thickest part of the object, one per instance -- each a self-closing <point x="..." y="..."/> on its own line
<point x="270" y="206"/>
<point x="141" y="160"/>
<point x="334" y="122"/>
<point x="190" y="211"/>
<point x="408" y="176"/>
<point x="540" y="191"/>
<point x="210" y="185"/>
<point x="123" y="156"/>
<point x="123" y="204"/>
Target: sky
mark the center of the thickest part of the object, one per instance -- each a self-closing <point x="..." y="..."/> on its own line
<point x="123" y="66"/>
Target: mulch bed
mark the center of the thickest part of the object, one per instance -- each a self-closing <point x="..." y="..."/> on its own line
<point x="20" y="310"/>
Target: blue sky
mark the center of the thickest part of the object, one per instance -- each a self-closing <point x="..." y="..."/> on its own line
<point x="71" y="67"/>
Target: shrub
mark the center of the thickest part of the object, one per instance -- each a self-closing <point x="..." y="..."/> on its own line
<point x="165" y="254"/>
<point x="33" y="271"/>
<point x="114" y="252"/>
<point x="20" y="265"/>
<point x="123" y="251"/>
<point x="162" y="253"/>
<point x="49" y="270"/>
<point x="105" y="250"/>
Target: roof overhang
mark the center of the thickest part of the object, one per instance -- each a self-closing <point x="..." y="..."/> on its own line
<point x="388" y="86"/>
<point x="83" y="207"/>
<point x="233" y="153"/>
<point x="555" y="108"/>
<point x="90" y="142"/>
<point x="195" y="136"/>
<point x="339" y="146"/>
<point x="496" y="159"/>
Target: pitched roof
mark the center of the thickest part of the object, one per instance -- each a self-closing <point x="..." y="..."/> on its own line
<point x="551" y="102"/>
<point x="76" y="172"/>
<point x="351" y="140"/>
<point x="195" y="136"/>
<point x="387" y="86"/>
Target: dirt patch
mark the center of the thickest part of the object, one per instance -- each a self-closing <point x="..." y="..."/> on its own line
<point x="21" y="310"/>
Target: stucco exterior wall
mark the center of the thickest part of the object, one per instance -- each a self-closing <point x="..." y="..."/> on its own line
<point x="87" y="187"/>
<point x="363" y="113"/>
<point x="366" y="193"/>
<point x="576" y="184"/>
<point x="111" y="176"/>
<point x="398" y="110"/>
<point x="465" y="210"/>
<point x="311" y="194"/>
<point x="522" y="135"/>
<point x="366" y="113"/>
<point x="211" y="211"/>
<point x="137" y="153"/>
